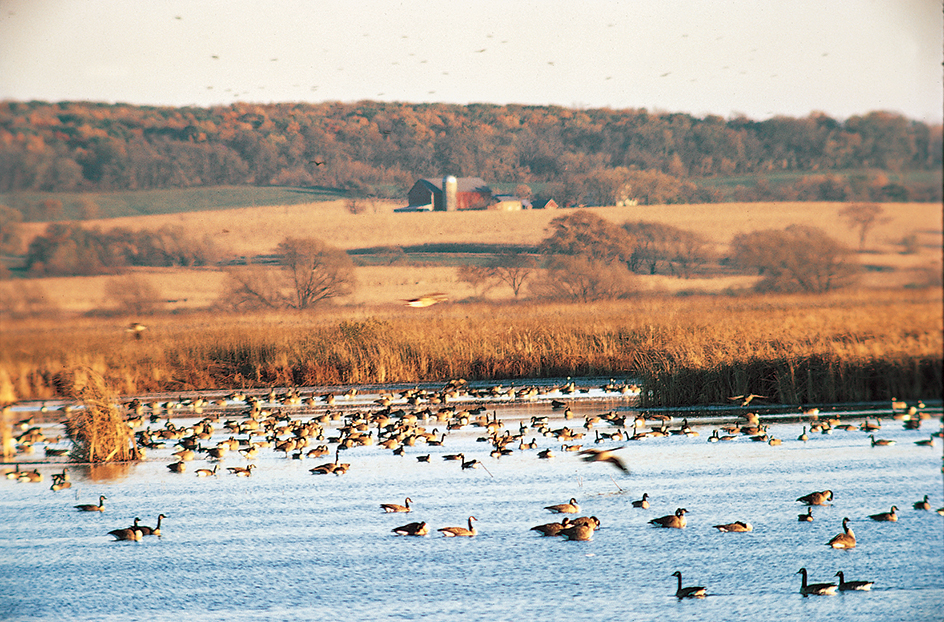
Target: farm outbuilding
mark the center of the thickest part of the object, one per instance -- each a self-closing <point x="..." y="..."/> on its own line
<point x="470" y="193"/>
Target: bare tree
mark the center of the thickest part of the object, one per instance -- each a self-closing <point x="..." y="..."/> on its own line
<point x="310" y="272"/>
<point x="863" y="216"/>
<point x="317" y="271"/>
<point x="513" y="269"/>
<point x="585" y="279"/>
<point x="797" y="258"/>
<point x="480" y="278"/>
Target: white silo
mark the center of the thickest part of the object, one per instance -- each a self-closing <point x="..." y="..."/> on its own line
<point x="450" y="186"/>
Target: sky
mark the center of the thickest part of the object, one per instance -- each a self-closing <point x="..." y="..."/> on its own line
<point x="757" y="58"/>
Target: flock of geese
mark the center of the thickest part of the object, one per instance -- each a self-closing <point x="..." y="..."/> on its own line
<point x="395" y="429"/>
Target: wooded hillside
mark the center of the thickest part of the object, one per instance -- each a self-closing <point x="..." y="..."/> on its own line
<point x="593" y="156"/>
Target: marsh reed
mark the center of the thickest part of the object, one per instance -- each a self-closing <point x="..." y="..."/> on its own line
<point x="699" y="350"/>
<point x="97" y="430"/>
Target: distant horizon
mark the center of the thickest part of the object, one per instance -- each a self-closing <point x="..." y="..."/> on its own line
<point x="728" y="58"/>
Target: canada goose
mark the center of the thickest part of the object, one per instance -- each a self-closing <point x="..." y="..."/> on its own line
<point x="474" y="464"/>
<point x="815" y="588"/>
<point x="177" y="467"/>
<point x="412" y="529"/>
<point x="923" y="504"/>
<point x="150" y="531"/>
<point x="88" y="507"/>
<point x="207" y="472"/>
<point x="564" y="508"/>
<point x="803" y="437"/>
<point x="672" y="521"/>
<point x="425" y="301"/>
<point x="593" y="521"/>
<point x="889" y="516"/>
<point x="808" y="517"/>
<point x="845" y="586"/>
<point x="746" y="399"/>
<point x="60" y="485"/>
<point x="882" y="442"/>
<point x="545" y="454"/>
<point x="33" y="476"/>
<point x="844" y="540"/>
<point x="460" y="457"/>
<point x="579" y="532"/>
<point x="453" y="532"/>
<point x="736" y="526"/>
<point x="714" y="438"/>
<point x="245" y="471"/>
<point x="393" y="507"/>
<point x="817" y="498"/>
<point x="928" y="442"/>
<point x="130" y="533"/>
<point x="688" y="592"/>
<point x="423" y="458"/>
<point x="552" y="529"/>
<point x="604" y="455"/>
<point x="642" y="503"/>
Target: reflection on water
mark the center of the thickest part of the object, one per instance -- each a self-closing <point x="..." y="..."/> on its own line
<point x="287" y="544"/>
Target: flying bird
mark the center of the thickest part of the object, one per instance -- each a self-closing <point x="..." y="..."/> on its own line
<point x="747" y="399"/>
<point x="426" y="301"/>
<point x="604" y="455"/>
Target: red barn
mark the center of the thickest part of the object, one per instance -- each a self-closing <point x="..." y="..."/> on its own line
<point x="471" y="193"/>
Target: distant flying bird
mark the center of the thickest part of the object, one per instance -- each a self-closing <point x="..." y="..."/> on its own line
<point x="480" y="51"/>
<point x="426" y="301"/>
<point x="747" y="399"/>
<point x="136" y="328"/>
<point x="604" y="455"/>
<point x="317" y="162"/>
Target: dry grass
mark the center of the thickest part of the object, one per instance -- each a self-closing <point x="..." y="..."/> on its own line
<point x="98" y="430"/>
<point x="744" y="344"/>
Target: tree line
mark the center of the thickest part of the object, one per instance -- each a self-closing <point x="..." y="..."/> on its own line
<point x="578" y="156"/>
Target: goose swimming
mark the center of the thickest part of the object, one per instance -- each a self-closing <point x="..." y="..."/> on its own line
<point x="688" y="592"/>
<point x="89" y="507"/>
<point x="564" y="508"/>
<point x="817" y="498"/>
<point x="815" y="588"/>
<point x="672" y="521"/>
<point x="453" y="532"/>
<point x="393" y="507"/>
<point x="846" y="586"/>
<point x="412" y="529"/>
<point x="890" y="516"/>
<point x="845" y="540"/>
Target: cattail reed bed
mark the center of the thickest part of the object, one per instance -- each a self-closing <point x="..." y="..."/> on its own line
<point x="686" y="351"/>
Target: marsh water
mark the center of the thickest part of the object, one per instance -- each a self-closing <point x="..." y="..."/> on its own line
<point x="286" y="544"/>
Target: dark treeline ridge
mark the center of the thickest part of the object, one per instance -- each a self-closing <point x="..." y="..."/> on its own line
<point x="382" y="148"/>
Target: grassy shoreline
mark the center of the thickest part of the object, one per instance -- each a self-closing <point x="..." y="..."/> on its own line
<point x="850" y="346"/>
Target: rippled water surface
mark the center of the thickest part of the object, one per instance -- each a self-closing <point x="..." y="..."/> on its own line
<point x="286" y="544"/>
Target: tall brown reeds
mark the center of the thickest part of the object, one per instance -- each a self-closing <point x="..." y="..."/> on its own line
<point x="97" y="428"/>
<point x="795" y="349"/>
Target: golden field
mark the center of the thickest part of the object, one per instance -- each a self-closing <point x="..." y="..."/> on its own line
<point x="257" y="230"/>
<point x="882" y="339"/>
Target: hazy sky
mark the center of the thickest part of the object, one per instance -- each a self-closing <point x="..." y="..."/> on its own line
<point x="754" y="57"/>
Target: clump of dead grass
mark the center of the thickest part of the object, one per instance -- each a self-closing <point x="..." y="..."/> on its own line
<point x="97" y="428"/>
